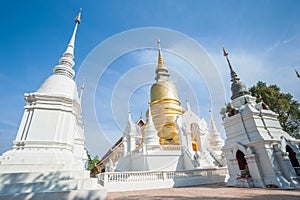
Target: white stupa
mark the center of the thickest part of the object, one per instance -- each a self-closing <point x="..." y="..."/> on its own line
<point x="47" y="160"/>
<point x="258" y="152"/>
<point x="151" y="138"/>
<point x="216" y="143"/>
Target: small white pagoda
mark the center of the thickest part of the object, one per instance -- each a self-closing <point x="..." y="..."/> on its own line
<point x="258" y="152"/>
<point x="47" y="160"/>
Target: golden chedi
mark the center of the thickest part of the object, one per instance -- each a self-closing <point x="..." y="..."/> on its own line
<point x="165" y="105"/>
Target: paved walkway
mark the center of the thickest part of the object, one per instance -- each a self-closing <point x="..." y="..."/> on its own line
<point x="215" y="191"/>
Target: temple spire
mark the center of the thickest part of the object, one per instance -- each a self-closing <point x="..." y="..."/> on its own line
<point x="70" y="49"/>
<point x="129" y="116"/>
<point x="238" y="88"/>
<point x="162" y="72"/>
<point x="160" y="58"/>
<point x="212" y="122"/>
<point x="188" y="107"/>
<point x="81" y="91"/>
<point x="234" y="77"/>
<point x="150" y="114"/>
<point x="66" y="62"/>
<point x="297" y="74"/>
<point x="130" y="128"/>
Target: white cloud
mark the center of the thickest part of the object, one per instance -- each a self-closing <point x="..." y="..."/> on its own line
<point x="280" y="43"/>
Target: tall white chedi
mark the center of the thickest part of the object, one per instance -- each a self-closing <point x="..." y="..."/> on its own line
<point x="51" y="126"/>
<point x="48" y="155"/>
<point x="258" y="152"/>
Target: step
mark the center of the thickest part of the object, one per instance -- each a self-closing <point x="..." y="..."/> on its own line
<point x="22" y="167"/>
<point x="99" y="194"/>
<point x="28" y="177"/>
<point x="53" y="185"/>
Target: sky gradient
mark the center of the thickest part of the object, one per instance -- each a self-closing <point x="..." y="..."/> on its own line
<point x="261" y="36"/>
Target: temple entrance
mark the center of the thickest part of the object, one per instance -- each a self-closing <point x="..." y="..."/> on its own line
<point x="240" y="156"/>
<point x="243" y="166"/>
<point x="196" y="144"/>
<point x="293" y="159"/>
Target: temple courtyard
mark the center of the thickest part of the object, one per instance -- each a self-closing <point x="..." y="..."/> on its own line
<point x="213" y="191"/>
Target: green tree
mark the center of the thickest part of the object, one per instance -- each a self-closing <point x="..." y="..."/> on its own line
<point x="92" y="162"/>
<point x="281" y="103"/>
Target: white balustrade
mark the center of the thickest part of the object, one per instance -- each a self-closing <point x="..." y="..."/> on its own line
<point x="137" y="179"/>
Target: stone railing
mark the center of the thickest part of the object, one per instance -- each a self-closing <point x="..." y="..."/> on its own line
<point x="171" y="147"/>
<point x="122" y="181"/>
<point x="147" y="148"/>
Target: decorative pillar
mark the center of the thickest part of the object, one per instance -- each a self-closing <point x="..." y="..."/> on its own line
<point x="254" y="170"/>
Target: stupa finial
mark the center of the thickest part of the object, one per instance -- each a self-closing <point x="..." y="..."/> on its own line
<point x="188" y="107"/>
<point x="71" y="45"/>
<point x="234" y="77"/>
<point x="81" y="91"/>
<point x="150" y="114"/>
<point x="237" y="87"/>
<point x="66" y="62"/>
<point x="162" y="72"/>
<point x="78" y="17"/>
<point x="160" y="58"/>
<point x="297" y="74"/>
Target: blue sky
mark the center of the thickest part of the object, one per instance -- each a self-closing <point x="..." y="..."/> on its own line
<point x="262" y="37"/>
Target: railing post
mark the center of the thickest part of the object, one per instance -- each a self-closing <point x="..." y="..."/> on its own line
<point x="105" y="179"/>
<point x="209" y="173"/>
<point x="164" y="176"/>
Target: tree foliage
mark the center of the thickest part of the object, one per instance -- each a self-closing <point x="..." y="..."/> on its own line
<point x="92" y="162"/>
<point x="281" y="103"/>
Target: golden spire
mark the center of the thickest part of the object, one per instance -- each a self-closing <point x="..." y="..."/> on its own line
<point x="77" y="19"/>
<point x="160" y="58"/>
<point x="161" y="71"/>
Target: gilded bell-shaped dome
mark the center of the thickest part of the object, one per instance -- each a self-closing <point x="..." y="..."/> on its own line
<point x="165" y="105"/>
<point x="163" y="90"/>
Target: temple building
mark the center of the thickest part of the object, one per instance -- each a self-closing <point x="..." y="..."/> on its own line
<point x="48" y="157"/>
<point x="174" y="147"/>
<point x="111" y="157"/>
<point x="258" y="152"/>
<point x="171" y="139"/>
